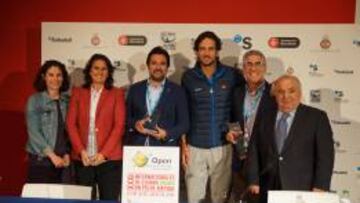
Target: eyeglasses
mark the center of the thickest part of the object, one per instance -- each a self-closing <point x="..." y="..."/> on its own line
<point x="257" y="64"/>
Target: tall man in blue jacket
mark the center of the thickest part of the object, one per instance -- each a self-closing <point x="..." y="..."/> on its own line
<point x="206" y="155"/>
<point x="157" y="111"/>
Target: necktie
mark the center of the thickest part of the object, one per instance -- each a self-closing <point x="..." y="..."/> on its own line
<point x="281" y="131"/>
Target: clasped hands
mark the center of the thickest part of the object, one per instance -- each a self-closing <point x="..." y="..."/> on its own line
<point x="157" y="133"/>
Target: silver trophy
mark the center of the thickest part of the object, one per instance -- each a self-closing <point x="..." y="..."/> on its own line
<point x="241" y="141"/>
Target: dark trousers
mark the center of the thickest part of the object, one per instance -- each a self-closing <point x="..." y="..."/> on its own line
<point x="107" y="176"/>
<point x="239" y="185"/>
<point x="41" y="170"/>
<point x="273" y="183"/>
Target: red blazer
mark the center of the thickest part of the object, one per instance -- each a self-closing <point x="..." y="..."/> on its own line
<point x="109" y="122"/>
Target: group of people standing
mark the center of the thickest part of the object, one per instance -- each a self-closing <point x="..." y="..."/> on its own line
<point x="239" y="135"/>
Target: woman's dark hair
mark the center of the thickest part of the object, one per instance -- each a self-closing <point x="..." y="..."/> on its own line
<point x="210" y="35"/>
<point x="40" y="84"/>
<point x="109" y="82"/>
<point x="161" y="51"/>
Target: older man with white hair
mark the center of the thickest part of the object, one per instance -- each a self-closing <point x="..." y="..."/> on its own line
<point x="293" y="146"/>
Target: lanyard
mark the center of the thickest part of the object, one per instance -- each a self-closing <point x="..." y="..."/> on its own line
<point x="249" y="110"/>
<point x="152" y="102"/>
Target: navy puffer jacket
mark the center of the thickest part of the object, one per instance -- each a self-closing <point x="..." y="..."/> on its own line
<point x="209" y="104"/>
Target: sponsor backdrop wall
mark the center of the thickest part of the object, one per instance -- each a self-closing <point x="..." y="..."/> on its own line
<point x="324" y="56"/>
<point x="21" y="40"/>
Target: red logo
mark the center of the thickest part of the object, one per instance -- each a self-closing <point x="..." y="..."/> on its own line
<point x="123" y="40"/>
<point x="132" y="40"/>
<point x="95" y="40"/>
<point x="284" y="42"/>
<point x="325" y="43"/>
<point x="273" y="42"/>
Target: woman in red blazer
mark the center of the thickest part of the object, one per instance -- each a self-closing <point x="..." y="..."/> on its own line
<point x="95" y="122"/>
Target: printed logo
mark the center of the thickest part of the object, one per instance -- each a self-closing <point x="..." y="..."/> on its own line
<point x="337" y="122"/>
<point x="338" y="148"/>
<point x="245" y="41"/>
<point x="339" y="96"/>
<point x="60" y="39"/>
<point x="95" y="40"/>
<point x="344" y="72"/>
<point x="140" y="159"/>
<point x="168" y="39"/>
<point x="284" y="42"/>
<point x="314" y="70"/>
<point x="315" y="96"/>
<point x="223" y="84"/>
<point x="198" y="89"/>
<point x="340" y="172"/>
<point x="132" y="40"/>
<point x="290" y="70"/>
<point x="118" y="67"/>
<point x="325" y="43"/>
<point x="356" y="42"/>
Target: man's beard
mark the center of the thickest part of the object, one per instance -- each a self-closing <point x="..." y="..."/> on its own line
<point x="157" y="78"/>
<point x="207" y="64"/>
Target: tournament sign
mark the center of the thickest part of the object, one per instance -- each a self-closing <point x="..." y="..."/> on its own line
<point x="150" y="174"/>
<point x="303" y="197"/>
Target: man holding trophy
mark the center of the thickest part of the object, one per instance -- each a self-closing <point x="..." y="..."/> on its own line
<point x="157" y="112"/>
<point x="249" y="103"/>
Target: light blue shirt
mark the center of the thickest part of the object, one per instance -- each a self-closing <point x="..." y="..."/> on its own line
<point x="289" y="120"/>
<point x="251" y="105"/>
<point x="153" y="96"/>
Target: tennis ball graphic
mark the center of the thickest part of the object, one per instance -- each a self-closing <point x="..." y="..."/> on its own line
<point x="140" y="159"/>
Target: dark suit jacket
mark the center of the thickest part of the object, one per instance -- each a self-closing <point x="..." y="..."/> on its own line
<point x="174" y="117"/>
<point x="109" y="122"/>
<point x="306" y="160"/>
<point x="266" y="102"/>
